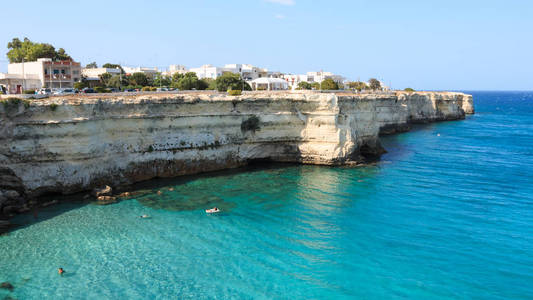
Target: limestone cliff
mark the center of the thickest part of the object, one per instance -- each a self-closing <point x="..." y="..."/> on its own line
<point x="71" y="144"/>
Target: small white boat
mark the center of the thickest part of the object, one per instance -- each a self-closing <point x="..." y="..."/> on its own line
<point x="212" y="210"/>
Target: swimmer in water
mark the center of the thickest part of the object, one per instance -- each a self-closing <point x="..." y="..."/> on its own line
<point x="144" y="216"/>
<point x="60" y="271"/>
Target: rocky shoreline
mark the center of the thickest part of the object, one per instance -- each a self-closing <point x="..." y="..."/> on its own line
<point x="64" y="145"/>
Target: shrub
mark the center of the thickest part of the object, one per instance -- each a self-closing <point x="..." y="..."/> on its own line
<point x="81" y="85"/>
<point x="304" y="85"/>
<point x="409" y="90"/>
<point x="232" y="81"/>
<point x="101" y="89"/>
<point x="13" y="102"/>
<point x="234" y="92"/>
<point x="53" y="106"/>
<point x="250" y="124"/>
<point x="374" y="84"/>
<point x="29" y="92"/>
<point x="329" y="84"/>
<point x="146" y="89"/>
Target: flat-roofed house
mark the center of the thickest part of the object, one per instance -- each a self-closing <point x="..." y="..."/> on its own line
<point x="41" y="73"/>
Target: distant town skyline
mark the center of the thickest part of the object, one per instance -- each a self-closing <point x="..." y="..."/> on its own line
<point x="449" y="45"/>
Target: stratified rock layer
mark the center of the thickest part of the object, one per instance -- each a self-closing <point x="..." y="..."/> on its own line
<point x="71" y="144"/>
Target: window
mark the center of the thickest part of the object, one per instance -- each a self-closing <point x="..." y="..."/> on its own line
<point x="45" y="71"/>
<point x="75" y="72"/>
<point x="62" y="71"/>
<point x="56" y="71"/>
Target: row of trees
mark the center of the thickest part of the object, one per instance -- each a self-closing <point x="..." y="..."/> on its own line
<point x="27" y="50"/>
<point x="330" y="84"/>
<point x="327" y="84"/>
<point x="373" y="84"/>
<point x="187" y="81"/>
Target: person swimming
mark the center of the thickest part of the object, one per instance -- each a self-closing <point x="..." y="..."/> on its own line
<point x="144" y="216"/>
<point x="60" y="271"/>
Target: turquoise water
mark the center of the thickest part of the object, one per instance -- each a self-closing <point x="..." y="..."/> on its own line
<point x="439" y="217"/>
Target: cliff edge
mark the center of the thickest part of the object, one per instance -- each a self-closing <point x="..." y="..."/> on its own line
<point x="71" y="144"/>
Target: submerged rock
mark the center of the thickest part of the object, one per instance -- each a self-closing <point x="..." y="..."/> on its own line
<point x="53" y="202"/>
<point x="105" y="200"/>
<point x="7" y="286"/>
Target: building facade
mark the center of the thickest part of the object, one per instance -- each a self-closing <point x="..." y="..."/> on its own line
<point x="92" y="75"/>
<point x="247" y="71"/>
<point x="41" y="73"/>
<point x="150" y="72"/>
<point x="173" y="69"/>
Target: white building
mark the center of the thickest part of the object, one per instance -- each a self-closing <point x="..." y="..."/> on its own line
<point x="247" y="71"/>
<point x="208" y="71"/>
<point x="147" y="71"/>
<point x="311" y="77"/>
<point x="92" y="75"/>
<point x="173" y="69"/>
<point x="268" y="84"/>
<point x="41" y="73"/>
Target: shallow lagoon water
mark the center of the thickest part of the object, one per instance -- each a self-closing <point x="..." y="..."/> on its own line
<point x="438" y="217"/>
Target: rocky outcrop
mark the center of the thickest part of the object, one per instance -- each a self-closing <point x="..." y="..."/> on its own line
<point x="76" y="143"/>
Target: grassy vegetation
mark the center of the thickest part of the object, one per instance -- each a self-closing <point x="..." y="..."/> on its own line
<point x="234" y="92"/>
<point x="250" y="124"/>
<point x="13" y="102"/>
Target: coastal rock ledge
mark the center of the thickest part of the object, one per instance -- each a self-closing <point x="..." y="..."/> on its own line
<point x="76" y="143"/>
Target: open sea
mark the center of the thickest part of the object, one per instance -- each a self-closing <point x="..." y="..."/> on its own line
<point x="447" y="213"/>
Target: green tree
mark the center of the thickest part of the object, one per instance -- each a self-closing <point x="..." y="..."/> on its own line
<point x="374" y="84"/>
<point x="210" y="84"/>
<point x="138" y="79"/>
<point x="188" y="83"/>
<point x="315" y="86"/>
<point x="231" y="81"/>
<point x="29" y="51"/>
<point x="113" y="66"/>
<point x="304" y="85"/>
<point x="202" y="85"/>
<point x="329" y="84"/>
<point x="115" y="81"/>
<point x="61" y="54"/>
<point x="177" y="76"/>
<point x="104" y="78"/>
<point x="92" y="65"/>
<point x="409" y="90"/>
<point x="357" y="85"/>
<point x="81" y="85"/>
<point x="162" y="80"/>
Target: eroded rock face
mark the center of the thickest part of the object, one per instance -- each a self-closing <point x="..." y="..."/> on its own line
<point x="70" y="144"/>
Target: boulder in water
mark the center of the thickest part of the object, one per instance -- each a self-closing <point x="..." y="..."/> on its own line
<point x="7" y="286"/>
<point x="104" y="191"/>
<point x="105" y="200"/>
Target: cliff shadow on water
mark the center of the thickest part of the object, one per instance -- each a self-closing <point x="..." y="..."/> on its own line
<point x="47" y="206"/>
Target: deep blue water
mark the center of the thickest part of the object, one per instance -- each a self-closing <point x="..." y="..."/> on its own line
<point x="439" y="217"/>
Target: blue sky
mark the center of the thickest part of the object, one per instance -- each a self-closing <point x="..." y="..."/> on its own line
<point x="424" y="44"/>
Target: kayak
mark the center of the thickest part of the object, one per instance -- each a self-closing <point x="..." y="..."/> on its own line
<point x="212" y="211"/>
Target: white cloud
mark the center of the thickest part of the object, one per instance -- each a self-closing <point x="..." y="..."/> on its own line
<point x="282" y="2"/>
<point x="279" y="16"/>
